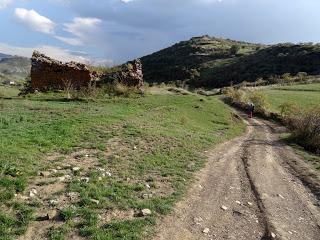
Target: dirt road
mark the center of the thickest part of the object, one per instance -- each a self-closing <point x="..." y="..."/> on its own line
<point x="253" y="187"/>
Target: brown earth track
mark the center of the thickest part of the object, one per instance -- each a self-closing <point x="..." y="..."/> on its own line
<point x="258" y="179"/>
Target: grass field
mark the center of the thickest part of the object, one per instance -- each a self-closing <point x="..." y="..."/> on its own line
<point x="305" y="96"/>
<point x="6" y="91"/>
<point x="97" y="164"/>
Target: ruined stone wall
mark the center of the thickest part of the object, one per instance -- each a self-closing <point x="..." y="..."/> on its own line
<point x="129" y="74"/>
<point x="49" y="74"/>
<point x="132" y="75"/>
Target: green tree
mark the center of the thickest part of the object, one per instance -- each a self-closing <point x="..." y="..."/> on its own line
<point x="302" y="76"/>
<point x="234" y="49"/>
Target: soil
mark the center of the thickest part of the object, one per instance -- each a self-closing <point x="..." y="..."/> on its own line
<point x="253" y="187"/>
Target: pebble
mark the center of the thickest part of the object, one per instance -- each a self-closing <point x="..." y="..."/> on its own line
<point x="206" y="230"/>
<point x="279" y="195"/>
<point x="146" y="212"/>
<point x="250" y="203"/>
<point x="148" y="186"/>
<point x="53" y="202"/>
<point x="64" y="178"/>
<point x="224" y="208"/>
<point x="61" y="179"/>
<point x="33" y="193"/>
<point x="273" y="235"/>
<point x="44" y="174"/>
<point x="52" y="214"/>
<point x="95" y="201"/>
<point x="147" y="196"/>
<point x="76" y="169"/>
<point x="238" y="202"/>
<point x="54" y="170"/>
<point x="198" y="220"/>
<point x="85" y="179"/>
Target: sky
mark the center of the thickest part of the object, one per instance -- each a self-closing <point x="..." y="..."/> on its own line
<point x="109" y="32"/>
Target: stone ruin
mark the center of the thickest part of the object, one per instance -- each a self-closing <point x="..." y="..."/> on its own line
<point x="49" y="74"/>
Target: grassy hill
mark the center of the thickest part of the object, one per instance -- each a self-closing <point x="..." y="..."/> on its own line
<point x="213" y="62"/>
<point x="13" y="68"/>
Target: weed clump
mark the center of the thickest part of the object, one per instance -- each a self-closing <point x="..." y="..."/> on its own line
<point x="307" y="129"/>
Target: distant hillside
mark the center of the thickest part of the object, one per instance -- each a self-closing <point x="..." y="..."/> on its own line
<point x="14" y="68"/>
<point x="213" y="62"/>
<point x="4" y="56"/>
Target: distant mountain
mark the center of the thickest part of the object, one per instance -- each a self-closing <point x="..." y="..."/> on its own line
<point x="13" y="68"/>
<point x="4" y="56"/>
<point x="214" y="62"/>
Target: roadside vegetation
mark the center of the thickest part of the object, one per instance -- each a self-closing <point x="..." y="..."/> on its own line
<point x="296" y="106"/>
<point x="103" y="168"/>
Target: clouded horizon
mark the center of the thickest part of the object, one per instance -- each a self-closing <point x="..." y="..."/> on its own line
<point x="114" y="31"/>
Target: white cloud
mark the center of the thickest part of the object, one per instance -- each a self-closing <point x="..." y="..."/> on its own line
<point x="4" y="3"/>
<point x="34" y="20"/>
<point x="70" y="41"/>
<point x="57" y="53"/>
<point x="84" y="31"/>
<point x="126" y="1"/>
<point x="80" y="27"/>
<point x="52" y="51"/>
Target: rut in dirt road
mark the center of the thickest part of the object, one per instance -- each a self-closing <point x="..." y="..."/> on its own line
<point x="247" y="191"/>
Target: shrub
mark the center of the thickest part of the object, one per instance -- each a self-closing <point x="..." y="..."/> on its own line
<point x="259" y="99"/>
<point x="234" y="49"/>
<point x="287" y="78"/>
<point x="68" y="88"/>
<point x="235" y="95"/>
<point x="123" y="90"/>
<point x="302" y="76"/>
<point x="26" y="87"/>
<point x="289" y="111"/>
<point x="307" y="129"/>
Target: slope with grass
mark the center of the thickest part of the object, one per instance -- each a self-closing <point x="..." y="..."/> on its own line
<point x="215" y="62"/>
<point x="74" y="168"/>
<point x="305" y="96"/>
<point x="13" y="68"/>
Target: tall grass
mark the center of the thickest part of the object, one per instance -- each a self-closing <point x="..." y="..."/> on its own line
<point x="306" y="129"/>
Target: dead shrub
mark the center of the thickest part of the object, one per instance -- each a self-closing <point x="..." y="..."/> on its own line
<point x="89" y="93"/>
<point x="68" y="89"/>
<point x="235" y="95"/>
<point x="307" y="129"/>
<point x="289" y="112"/>
<point x="259" y="99"/>
<point x="126" y="91"/>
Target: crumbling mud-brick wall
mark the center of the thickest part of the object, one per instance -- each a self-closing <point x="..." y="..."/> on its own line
<point x="49" y="74"/>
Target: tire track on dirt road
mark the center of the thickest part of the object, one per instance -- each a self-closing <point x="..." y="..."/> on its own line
<point x="246" y="192"/>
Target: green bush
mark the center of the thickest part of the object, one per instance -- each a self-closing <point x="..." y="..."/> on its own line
<point x="234" y="49"/>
